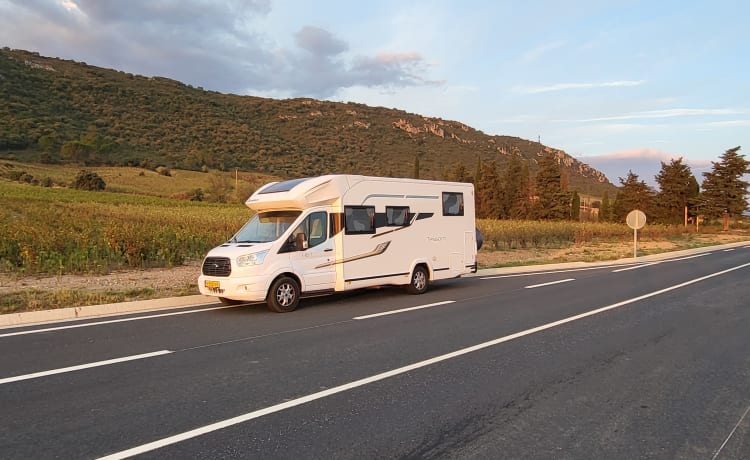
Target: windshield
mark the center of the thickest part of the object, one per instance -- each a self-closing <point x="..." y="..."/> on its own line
<point x="265" y="227"/>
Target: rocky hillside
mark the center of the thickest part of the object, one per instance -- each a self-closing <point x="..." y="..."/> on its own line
<point x="62" y="110"/>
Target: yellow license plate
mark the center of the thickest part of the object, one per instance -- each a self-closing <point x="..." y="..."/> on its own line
<point x="211" y="284"/>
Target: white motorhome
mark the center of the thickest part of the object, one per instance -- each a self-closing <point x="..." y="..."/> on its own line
<point x="340" y="232"/>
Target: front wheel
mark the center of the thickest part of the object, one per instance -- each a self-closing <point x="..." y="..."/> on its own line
<point x="419" y="280"/>
<point x="283" y="296"/>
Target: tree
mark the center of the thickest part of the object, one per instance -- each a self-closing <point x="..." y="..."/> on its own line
<point x="488" y="192"/>
<point x="676" y="183"/>
<point x="457" y="173"/>
<point x="552" y="201"/>
<point x="76" y="151"/>
<point x="575" y="207"/>
<point x="219" y="187"/>
<point x="514" y="190"/>
<point x="605" y="209"/>
<point x="723" y="187"/>
<point x="634" y="194"/>
<point x="88" y="180"/>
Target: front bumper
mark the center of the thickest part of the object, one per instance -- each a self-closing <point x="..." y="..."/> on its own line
<point x="245" y="288"/>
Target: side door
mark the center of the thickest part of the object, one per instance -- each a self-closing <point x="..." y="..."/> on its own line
<point x="312" y="253"/>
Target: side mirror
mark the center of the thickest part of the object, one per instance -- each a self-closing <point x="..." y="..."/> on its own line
<point x="300" y="242"/>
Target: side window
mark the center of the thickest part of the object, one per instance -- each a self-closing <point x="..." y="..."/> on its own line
<point x="396" y="216"/>
<point x="318" y="230"/>
<point x="309" y="233"/>
<point x="359" y="219"/>
<point x="453" y="204"/>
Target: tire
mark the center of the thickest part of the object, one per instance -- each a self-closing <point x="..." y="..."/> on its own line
<point x="419" y="280"/>
<point x="229" y="302"/>
<point x="283" y="296"/>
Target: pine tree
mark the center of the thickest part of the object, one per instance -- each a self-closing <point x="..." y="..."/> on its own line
<point x="634" y="194"/>
<point x="552" y="202"/>
<point x="675" y="189"/>
<point x="723" y="187"/>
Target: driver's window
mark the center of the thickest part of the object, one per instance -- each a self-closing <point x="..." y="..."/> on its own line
<point x="318" y="228"/>
<point x="313" y="231"/>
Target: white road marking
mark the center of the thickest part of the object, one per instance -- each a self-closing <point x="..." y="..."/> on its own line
<point x="549" y="284"/>
<point x="688" y="257"/>
<point x="83" y="366"/>
<point x="393" y="312"/>
<point x="111" y="321"/>
<point x="148" y="447"/>
<point x="634" y="268"/>
<point x="727" y="250"/>
<point x="516" y="275"/>
<point x="731" y="434"/>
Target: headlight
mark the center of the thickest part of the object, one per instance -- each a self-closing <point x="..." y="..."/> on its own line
<point x="247" y="260"/>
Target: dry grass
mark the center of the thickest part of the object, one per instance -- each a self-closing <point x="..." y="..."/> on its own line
<point x="593" y="252"/>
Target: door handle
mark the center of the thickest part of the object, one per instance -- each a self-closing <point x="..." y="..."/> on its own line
<point x="328" y="250"/>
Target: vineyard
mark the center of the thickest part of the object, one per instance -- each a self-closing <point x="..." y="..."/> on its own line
<point x="59" y="231"/>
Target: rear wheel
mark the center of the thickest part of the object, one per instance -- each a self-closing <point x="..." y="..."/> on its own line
<point x="283" y="296"/>
<point x="419" y="280"/>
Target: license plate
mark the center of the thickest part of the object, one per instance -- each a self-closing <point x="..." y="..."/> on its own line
<point x="211" y="284"/>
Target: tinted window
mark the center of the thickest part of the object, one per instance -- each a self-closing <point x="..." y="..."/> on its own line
<point x="453" y="204"/>
<point x="359" y="219"/>
<point x="283" y="186"/>
<point x="396" y="216"/>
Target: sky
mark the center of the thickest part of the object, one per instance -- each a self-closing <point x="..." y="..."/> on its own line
<point x="620" y="85"/>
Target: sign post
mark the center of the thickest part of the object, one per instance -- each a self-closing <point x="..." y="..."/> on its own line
<point x="636" y="220"/>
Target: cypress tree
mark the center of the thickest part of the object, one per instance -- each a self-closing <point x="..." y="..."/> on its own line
<point x="552" y="202"/>
<point x="575" y="207"/>
<point x="605" y="210"/>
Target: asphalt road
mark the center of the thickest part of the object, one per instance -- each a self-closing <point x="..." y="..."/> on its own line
<point x="620" y="362"/>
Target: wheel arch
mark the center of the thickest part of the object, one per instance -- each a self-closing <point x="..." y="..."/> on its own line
<point x="290" y="274"/>
<point x="424" y="263"/>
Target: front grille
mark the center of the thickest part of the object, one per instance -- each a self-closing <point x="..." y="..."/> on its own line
<point x="217" y="266"/>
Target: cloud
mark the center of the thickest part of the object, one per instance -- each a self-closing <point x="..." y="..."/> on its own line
<point x="666" y="113"/>
<point x="319" y="42"/>
<point x="729" y="123"/>
<point x="201" y="43"/>
<point x="571" y="86"/>
<point x="538" y="52"/>
<point x="645" y="162"/>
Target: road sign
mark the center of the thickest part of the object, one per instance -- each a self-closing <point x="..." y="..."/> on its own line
<point x="636" y="219"/>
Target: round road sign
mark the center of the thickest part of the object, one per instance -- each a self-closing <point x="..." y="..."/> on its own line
<point x="636" y="219"/>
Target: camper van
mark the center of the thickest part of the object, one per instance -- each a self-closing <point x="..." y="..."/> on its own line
<point x="336" y="233"/>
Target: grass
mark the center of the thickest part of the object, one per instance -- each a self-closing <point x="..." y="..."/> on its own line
<point x="35" y="299"/>
<point x="140" y="181"/>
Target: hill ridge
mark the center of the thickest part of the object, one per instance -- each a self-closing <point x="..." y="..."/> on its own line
<point x="107" y="116"/>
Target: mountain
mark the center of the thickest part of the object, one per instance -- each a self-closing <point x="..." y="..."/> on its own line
<point x="62" y="110"/>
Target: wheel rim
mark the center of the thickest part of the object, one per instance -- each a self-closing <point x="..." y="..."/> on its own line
<point x="285" y="294"/>
<point x="420" y="280"/>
